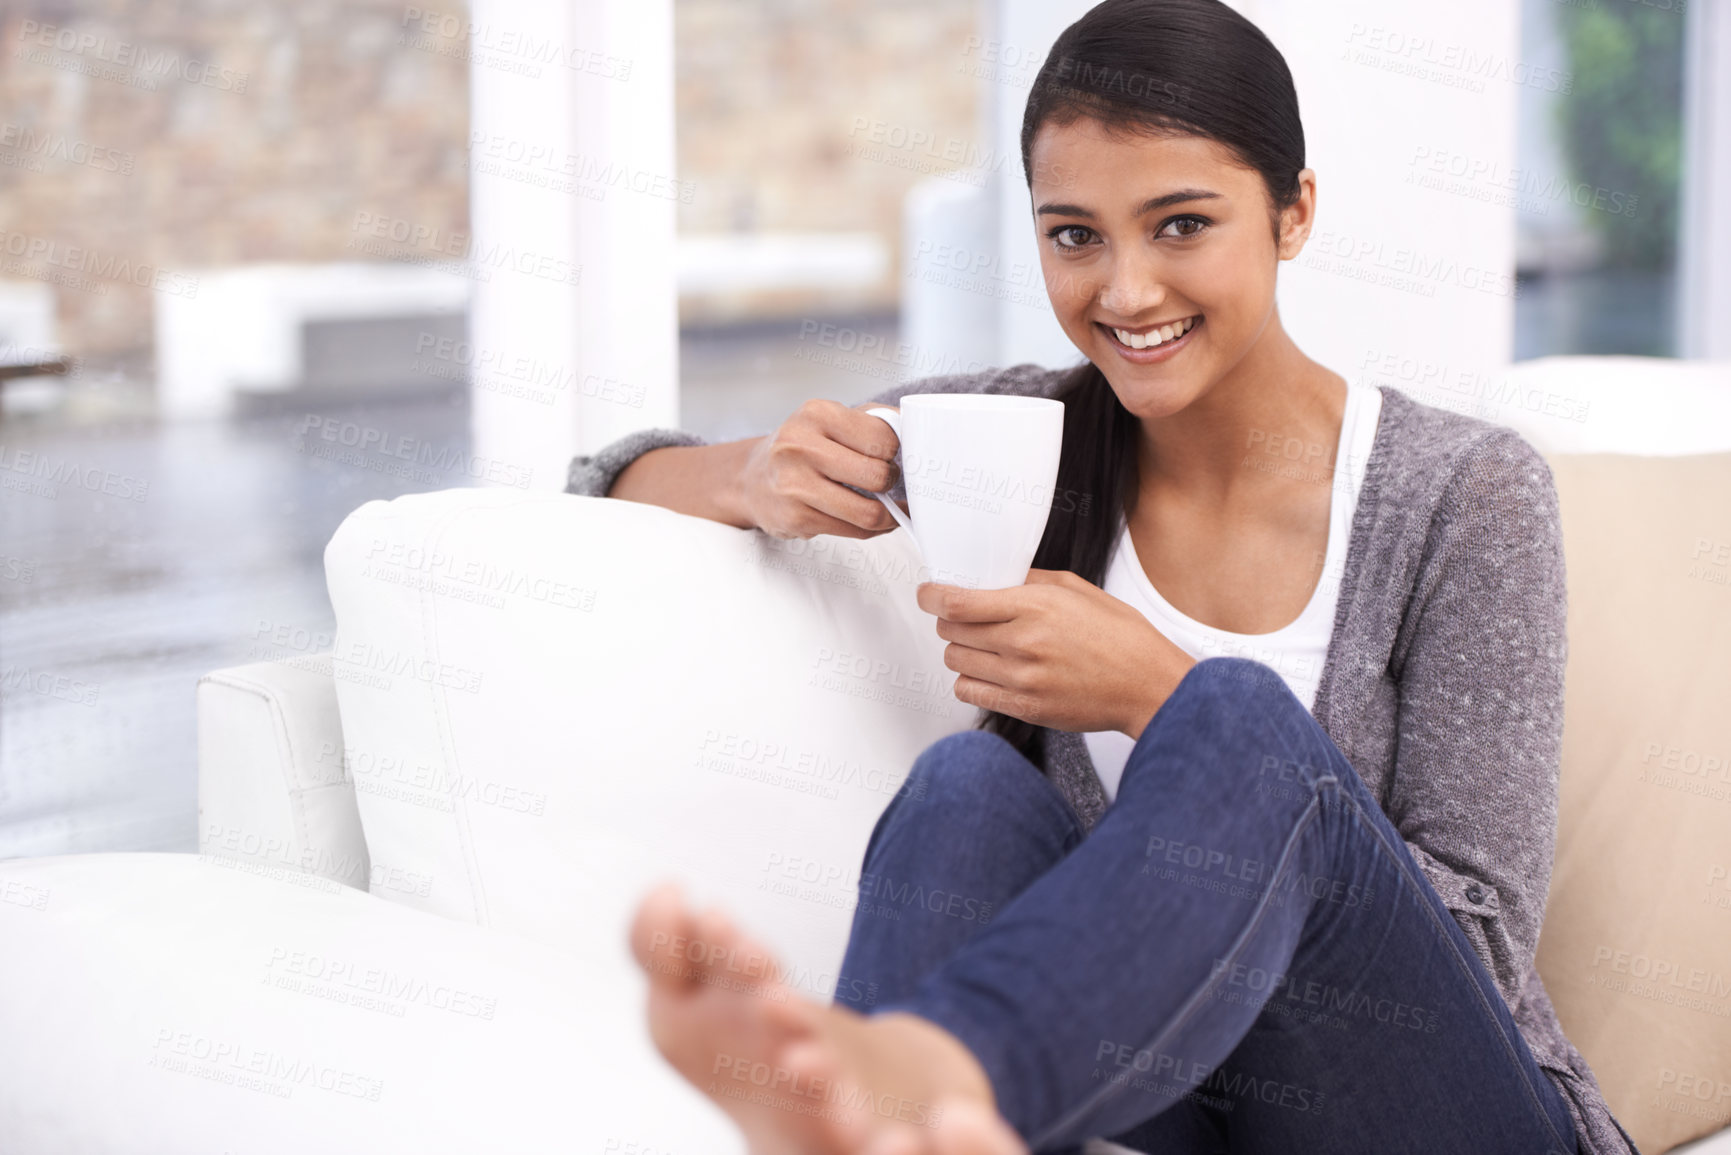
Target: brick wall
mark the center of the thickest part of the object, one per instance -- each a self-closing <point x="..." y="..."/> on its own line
<point x="139" y="136"/>
<point x="143" y="139"/>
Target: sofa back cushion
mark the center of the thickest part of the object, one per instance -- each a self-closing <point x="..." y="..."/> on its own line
<point x="550" y="701"/>
<point x="1636" y="947"/>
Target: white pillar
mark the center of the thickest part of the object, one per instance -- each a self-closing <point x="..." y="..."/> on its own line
<point x="1704" y="232"/>
<point x="949" y="315"/>
<point x="1027" y="328"/>
<point x="574" y="327"/>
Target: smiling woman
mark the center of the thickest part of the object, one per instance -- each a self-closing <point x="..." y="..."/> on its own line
<point x="1184" y="187"/>
<point x="1263" y="795"/>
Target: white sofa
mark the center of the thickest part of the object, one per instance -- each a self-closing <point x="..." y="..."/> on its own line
<point x="405" y="928"/>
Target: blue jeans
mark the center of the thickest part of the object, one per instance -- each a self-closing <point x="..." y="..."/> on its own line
<point x="1242" y="956"/>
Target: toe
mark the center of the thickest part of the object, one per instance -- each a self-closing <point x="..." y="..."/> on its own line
<point x="662" y="922"/>
<point x="969" y="1128"/>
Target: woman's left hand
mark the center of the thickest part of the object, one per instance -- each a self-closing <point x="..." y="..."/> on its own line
<point x="1058" y="651"/>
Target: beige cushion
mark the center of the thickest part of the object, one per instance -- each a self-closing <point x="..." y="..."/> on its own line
<point x="1636" y="949"/>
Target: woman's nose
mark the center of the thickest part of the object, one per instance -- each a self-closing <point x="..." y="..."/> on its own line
<point x="1132" y="286"/>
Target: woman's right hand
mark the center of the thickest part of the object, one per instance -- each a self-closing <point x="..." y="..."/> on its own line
<point x="794" y="482"/>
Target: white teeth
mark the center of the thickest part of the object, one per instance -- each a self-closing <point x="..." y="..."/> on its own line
<point x="1156" y="337"/>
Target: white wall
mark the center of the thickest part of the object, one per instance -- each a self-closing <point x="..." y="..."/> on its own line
<point x="572" y="173"/>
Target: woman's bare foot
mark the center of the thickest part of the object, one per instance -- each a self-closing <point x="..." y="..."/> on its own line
<point x="800" y="1077"/>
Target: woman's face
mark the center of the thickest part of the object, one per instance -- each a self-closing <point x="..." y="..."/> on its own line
<point x="1163" y="241"/>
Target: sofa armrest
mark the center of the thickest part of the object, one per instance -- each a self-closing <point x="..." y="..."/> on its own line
<point x="272" y="785"/>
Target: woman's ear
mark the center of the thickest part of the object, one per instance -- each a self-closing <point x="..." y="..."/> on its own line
<point x="1296" y="219"/>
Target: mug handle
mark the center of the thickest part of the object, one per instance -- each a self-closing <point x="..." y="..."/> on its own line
<point x="892" y="418"/>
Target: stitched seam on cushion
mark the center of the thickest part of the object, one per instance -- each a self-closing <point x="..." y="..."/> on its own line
<point x="441" y="717"/>
<point x="285" y="749"/>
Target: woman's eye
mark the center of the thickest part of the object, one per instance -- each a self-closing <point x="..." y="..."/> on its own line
<point x="1070" y="236"/>
<point x="1185" y="226"/>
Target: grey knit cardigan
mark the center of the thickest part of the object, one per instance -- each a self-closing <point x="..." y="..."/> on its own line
<point x="1442" y="685"/>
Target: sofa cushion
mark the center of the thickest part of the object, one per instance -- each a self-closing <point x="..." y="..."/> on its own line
<point x="181" y="1003"/>
<point x="1636" y="948"/>
<point x="565" y="698"/>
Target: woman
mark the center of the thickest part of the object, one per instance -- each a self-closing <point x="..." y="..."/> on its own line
<point x="1264" y="797"/>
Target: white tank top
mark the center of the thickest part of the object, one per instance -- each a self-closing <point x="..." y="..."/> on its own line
<point x="1297" y="650"/>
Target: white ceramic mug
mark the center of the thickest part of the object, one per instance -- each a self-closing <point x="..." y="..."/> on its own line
<point x="979" y="470"/>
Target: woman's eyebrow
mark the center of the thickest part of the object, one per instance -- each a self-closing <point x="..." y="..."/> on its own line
<point x="1152" y="204"/>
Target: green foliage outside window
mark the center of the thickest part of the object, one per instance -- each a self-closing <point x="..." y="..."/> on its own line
<point x="1621" y="127"/>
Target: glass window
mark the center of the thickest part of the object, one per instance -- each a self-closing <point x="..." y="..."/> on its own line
<point x="1598" y="179"/>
